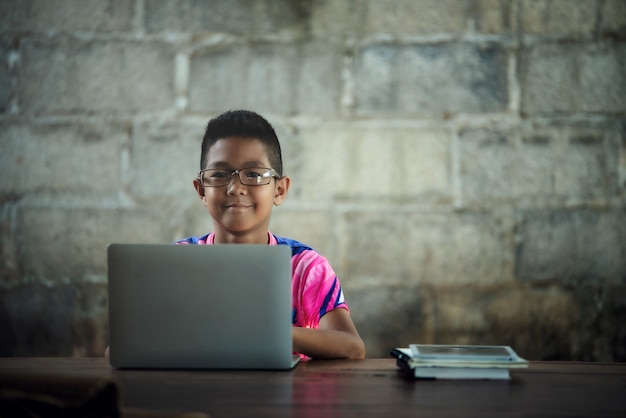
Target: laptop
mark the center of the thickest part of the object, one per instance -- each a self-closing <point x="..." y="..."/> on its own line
<point x="200" y="306"/>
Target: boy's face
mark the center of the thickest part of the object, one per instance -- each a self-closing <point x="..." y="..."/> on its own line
<point x="240" y="213"/>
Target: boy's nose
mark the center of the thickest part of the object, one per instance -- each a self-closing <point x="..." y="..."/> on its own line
<point x="235" y="186"/>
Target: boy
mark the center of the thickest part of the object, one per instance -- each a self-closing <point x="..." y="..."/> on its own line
<point x="240" y="179"/>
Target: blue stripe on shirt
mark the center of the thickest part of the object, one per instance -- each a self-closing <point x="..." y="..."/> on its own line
<point x="327" y="298"/>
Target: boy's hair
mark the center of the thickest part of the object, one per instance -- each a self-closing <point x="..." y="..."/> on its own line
<point x="243" y="124"/>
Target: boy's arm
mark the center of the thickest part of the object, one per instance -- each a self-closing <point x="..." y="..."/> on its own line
<point x="337" y="337"/>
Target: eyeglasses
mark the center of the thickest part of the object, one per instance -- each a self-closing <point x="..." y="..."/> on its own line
<point x="253" y="176"/>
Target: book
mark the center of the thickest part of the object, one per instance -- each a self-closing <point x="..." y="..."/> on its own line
<point x="427" y="361"/>
<point x="465" y="373"/>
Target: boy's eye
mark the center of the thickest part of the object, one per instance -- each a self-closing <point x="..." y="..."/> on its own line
<point x="251" y="174"/>
<point x="219" y="174"/>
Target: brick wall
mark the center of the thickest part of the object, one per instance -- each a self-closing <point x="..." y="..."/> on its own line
<point x="462" y="163"/>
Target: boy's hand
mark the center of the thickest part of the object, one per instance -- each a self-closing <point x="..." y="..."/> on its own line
<point x="336" y="337"/>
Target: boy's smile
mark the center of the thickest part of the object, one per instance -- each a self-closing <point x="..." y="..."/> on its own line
<point x="240" y="212"/>
<point x="238" y="206"/>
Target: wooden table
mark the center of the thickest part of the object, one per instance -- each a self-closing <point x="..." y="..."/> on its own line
<point x="371" y="387"/>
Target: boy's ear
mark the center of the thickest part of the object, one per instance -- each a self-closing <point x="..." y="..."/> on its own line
<point x="281" y="189"/>
<point x="199" y="188"/>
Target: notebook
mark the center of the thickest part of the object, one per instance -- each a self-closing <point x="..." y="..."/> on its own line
<point x="200" y="306"/>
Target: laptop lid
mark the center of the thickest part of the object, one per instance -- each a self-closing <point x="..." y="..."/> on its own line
<point x="200" y="306"/>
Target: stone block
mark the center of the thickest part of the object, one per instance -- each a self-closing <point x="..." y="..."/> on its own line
<point x="582" y="322"/>
<point x="504" y="315"/>
<point x="232" y="83"/>
<point x="493" y="16"/>
<point x="39" y="320"/>
<point x="566" y="245"/>
<point x="437" y="79"/>
<point x="613" y="22"/>
<point x="410" y="17"/>
<point x="574" y="18"/>
<point x="409" y="247"/>
<point x="540" y="323"/>
<point x="389" y="316"/>
<point x="166" y="159"/>
<point x="338" y="19"/>
<point x="377" y="161"/>
<point x="61" y="320"/>
<point x="67" y="15"/>
<point x="575" y="77"/>
<point x="63" y="74"/>
<point x="60" y="157"/>
<point x="283" y="17"/>
<point x="55" y="244"/>
<point x="285" y="78"/>
<point x="590" y="166"/>
<point x="552" y="164"/>
<point x="459" y="317"/>
<point x="317" y="85"/>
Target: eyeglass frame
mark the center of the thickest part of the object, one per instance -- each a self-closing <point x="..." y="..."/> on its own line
<point x="273" y="174"/>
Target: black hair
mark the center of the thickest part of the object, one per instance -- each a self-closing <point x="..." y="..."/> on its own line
<point x="243" y="124"/>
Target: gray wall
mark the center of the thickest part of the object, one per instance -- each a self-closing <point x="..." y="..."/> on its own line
<point x="461" y="163"/>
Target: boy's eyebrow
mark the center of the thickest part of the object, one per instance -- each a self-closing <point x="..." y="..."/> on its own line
<point x="223" y="164"/>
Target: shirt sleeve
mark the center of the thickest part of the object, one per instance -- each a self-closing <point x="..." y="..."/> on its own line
<point x="316" y="289"/>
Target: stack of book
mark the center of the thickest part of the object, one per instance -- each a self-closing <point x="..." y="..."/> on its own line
<point x="429" y="361"/>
